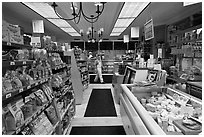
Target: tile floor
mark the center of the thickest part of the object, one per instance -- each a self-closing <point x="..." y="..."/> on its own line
<point x="80" y="120"/>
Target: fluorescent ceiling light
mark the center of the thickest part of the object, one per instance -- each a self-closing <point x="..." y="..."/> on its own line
<point x="69" y="30"/>
<point x="115" y="34"/>
<point x="45" y="10"/>
<point x="189" y="3"/>
<point x="42" y="8"/>
<point x="118" y="30"/>
<point x="132" y="9"/>
<point x="129" y="12"/>
<point x="74" y="34"/>
<point x="123" y="22"/>
<point x="60" y="23"/>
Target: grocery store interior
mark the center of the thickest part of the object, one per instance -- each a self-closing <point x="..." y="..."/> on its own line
<point x="101" y="68"/>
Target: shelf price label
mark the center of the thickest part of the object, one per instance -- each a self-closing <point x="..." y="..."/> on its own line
<point x="12" y="63"/>
<point x="8" y="95"/>
<point x="18" y="130"/>
<point x="8" y="43"/>
<point x="20" y="90"/>
<point x="28" y="87"/>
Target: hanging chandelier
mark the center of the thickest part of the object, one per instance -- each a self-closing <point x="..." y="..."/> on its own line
<point x="77" y="12"/>
<point x="90" y="33"/>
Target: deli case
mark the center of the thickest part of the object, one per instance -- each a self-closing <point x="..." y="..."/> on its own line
<point x="149" y="109"/>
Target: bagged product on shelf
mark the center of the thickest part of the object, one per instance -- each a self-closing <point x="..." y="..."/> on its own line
<point x="3" y="123"/>
<point x="48" y="91"/>
<point x="33" y="72"/>
<point x="6" y="84"/>
<point x="41" y="98"/>
<point x="27" y="131"/>
<point x="9" y="122"/>
<point x="51" y="114"/>
<point x="41" y="125"/>
<point x="30" y="105"/>
<point x="17" y="112"/>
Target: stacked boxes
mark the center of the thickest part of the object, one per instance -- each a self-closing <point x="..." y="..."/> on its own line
<point x="11" y="33"/>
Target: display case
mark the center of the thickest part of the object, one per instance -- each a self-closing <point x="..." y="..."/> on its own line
<point x="167" y="117"/>
<point x="158" y="110"/>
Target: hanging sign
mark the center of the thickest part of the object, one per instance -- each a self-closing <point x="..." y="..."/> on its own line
<point x="126" y="38"/>
<point x="149" y="30"/>
<point x="135" y="32"/>
<point x="160" y="53"/>
<point x="38" y="26"/>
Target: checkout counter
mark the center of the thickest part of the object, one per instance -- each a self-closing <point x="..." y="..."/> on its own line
<point x="151" y="108"/>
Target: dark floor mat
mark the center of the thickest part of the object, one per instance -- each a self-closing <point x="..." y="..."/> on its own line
<point x="106" y="78"/>
<point x="98" y="130"/>
<point x="100" y="104"/>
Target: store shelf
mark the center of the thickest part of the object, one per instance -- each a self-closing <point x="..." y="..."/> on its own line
<point x="85" y="79"/>
<point x="82" y="66"/>
<point x="17" y="63"/>
<point x="31" y="118"/>
<point x="186" y="41"/>
<point x="55" y="51"/>
<point x="63" y="94"/>
<point x="65" y="111"/>
<point x="59" y="66"/>
<point x="13" y="45"/>
<point x="15" y="92"/>
<point x="84" y="72"/>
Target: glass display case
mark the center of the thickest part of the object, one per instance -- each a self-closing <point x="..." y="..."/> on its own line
<point x="159" y="110"/>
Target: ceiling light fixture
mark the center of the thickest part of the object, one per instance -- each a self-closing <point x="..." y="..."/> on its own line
<point x="77" y="15"/>
<point x="129" y="12"/>
<point x="90" y="33"/>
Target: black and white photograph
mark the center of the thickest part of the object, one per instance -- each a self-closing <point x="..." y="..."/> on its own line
<point x="101" y="67"/>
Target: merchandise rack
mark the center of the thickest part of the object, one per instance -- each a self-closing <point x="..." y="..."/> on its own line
<point x="9" y="95"/>
<point x="17" y="63"/>
<point x="24" y="89"/>
<point x="14" y="45"/>
<point x="31" y="118"/>
<point x="65" y="111"/>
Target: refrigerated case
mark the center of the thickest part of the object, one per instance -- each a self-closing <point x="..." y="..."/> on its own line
<point x="142" y="119"/>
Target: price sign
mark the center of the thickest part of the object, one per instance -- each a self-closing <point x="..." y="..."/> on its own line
<point x="12" y="63"/>
<point x="8" y="43"/>
<point x="8" y="95"/>
<point x="20" y="90"/>
<point x="29" y="87"/>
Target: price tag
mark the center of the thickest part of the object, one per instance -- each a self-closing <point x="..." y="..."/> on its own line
<point x="20" y="90"/>
<point x="8" y="95"/>
<point x="28" y="87"/>
<point x="24" y="62"/>
<point x="8" y="43"/>
<point x="27" y="122"/>
<point x="12" y="63"/>
<point x="35" y="115"/>
<point x="18" y="130"/>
